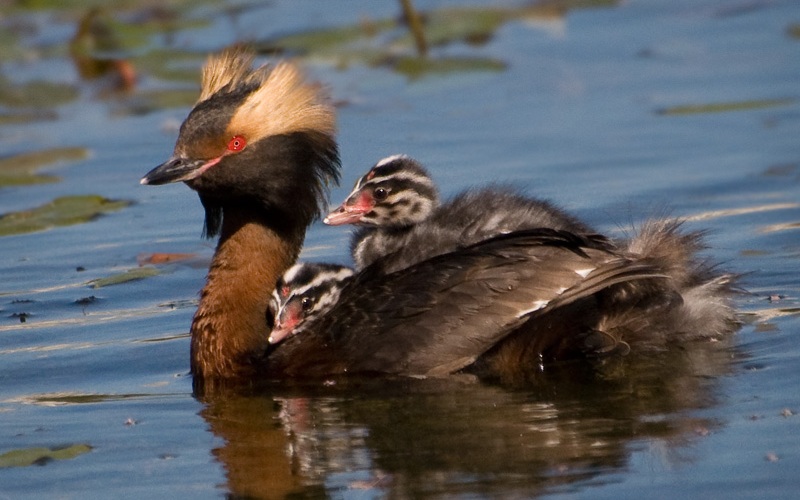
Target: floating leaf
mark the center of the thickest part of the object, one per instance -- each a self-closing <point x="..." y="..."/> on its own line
<point x="447" y="26"/>
<point x="20" y="169"/>
<point x="137" y="273"/>
<point x="691" y="109"/>
<point x="325" y="40"/>
<point x="40" y="456"/>
<point x="70" y="398"/>
<point x="10" y="118"/>
<point x="172" y="65"/>
<point x="416" y="67"/>
<point x="36" y="94"/>
<point x="63" y="211"/>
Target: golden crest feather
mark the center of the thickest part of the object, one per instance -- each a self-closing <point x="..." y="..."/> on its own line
<point x="283" y="101"/>
<point x="230" y="67"/>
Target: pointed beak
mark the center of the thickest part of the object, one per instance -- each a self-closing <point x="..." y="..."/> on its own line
<point x="286" y="320"/>
<point x="177" y="169"/>
<point x="344" y="215"/>
<point x="278" y="334"/>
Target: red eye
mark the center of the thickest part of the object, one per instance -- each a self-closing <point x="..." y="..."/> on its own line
<point x="237" y="144"/>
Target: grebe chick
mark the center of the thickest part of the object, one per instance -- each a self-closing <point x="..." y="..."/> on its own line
<point x="395" y="195"/>
<point x="396" y="204"/>
<point x="305" y="291"/>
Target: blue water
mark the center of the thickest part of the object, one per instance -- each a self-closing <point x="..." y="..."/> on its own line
<point x="576" y="116"/>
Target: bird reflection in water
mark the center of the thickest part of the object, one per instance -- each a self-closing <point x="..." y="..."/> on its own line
<point x="574" y="423"/>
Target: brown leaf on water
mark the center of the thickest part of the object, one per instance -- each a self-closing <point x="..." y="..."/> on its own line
<point x="163" y="258"/>
<point x="723" y="107"/>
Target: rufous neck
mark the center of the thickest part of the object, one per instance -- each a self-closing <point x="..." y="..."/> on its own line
<point x="229" y="330"/>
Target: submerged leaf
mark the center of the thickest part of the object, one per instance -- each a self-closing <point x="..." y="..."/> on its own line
<point x="40" y="456"/>
<point x="63" y="211"/>
<point x="137" y="273"/>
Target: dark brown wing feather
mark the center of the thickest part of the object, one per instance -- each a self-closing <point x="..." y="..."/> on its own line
<point x="440" y="315"/>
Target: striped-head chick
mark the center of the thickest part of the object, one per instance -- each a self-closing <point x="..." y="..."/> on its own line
<point x="306" y="291"/>
<point x="258" y="137"/>
<point x="397" y="192"/>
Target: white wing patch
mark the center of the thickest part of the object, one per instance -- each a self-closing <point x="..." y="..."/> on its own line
<point x="539" y="304"/>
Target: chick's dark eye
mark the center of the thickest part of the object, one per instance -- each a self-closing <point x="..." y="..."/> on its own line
<point x="306" y="303"/>
<point x="380" y="193"/>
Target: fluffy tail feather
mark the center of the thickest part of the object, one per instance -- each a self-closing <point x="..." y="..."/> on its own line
<point x="695" y="302"/>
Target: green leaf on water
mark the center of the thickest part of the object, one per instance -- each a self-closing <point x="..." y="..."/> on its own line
<point x="21" y="169"/>
<point x="40" y="456"/>
<point x="328" y="40"/>
<point x="722" y="107"/>
<point x="63" y="211"/>
<point x="137" y="273"/>
<point x="472" y="26"/>
<point x="36" y="94"/>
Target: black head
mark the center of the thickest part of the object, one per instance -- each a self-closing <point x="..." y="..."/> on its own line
<point x="261" y="139"/>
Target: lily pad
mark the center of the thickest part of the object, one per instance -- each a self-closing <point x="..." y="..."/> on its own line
<point x="41" y="456"/>
<point x="63" y="211"/>
<point x="21" y="169"/>
<point x="137" y="273"/>
<point x="692" y="109"/>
